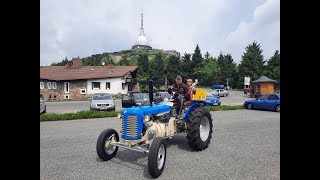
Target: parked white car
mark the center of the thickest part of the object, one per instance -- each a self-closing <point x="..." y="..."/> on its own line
<point x="219" y="92"/>
<point x="43" y="107"/>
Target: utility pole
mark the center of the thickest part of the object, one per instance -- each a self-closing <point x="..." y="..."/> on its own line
<point x="227" y="84"/>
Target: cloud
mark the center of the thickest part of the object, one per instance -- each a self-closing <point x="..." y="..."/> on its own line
<point x="263" y="28"/>
<point x="82" y="27"/>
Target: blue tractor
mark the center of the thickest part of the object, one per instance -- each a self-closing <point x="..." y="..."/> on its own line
<point x="145" y="129"/>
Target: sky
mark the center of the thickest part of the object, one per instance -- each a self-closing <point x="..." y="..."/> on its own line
<point x="82" y="28"/>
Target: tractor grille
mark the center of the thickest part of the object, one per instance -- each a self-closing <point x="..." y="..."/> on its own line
<point x="131" y="127"/>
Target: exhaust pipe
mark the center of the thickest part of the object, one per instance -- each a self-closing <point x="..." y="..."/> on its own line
<point x="151" y="91"/>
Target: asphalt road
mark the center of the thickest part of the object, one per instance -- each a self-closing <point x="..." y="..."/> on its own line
<point x="234" y="98"/>
<point x="245" y="145"/>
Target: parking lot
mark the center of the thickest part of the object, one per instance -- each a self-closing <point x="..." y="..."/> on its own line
<point x="234" y="98"/>
<point x="245" y="145"/>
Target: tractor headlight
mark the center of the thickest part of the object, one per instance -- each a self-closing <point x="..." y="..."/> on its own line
<point x="146" y="118"/>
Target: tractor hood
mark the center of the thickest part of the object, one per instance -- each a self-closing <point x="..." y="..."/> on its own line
<point x="146" y="110"/>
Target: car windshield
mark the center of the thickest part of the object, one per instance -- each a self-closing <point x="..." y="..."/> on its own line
<point x="101" y="97"/>
<point x="139" y="96"/>
<point x="209" y="96"/>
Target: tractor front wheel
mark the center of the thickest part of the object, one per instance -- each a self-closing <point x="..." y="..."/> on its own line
<point x="199" y="129"/>
<point x="157" y="157"/>
<point x="105" y="149"/>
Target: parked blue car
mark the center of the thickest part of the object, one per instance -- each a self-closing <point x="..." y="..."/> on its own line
<point x="215" y="100"/>
<point x="217" y="86"/>
<point x="266" y="101"/>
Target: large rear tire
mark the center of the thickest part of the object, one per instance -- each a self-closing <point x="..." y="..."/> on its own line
<point x="199" y="129"/>
<point x="105" y="150"/>
<point x="157" y="157"/>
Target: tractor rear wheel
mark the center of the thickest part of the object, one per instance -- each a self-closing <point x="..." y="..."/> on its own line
<point x="199" y="129"/>
<point x="157" y="157"/>
<point x="105" y="150"/>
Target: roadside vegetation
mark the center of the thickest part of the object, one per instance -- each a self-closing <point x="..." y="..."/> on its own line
<point x="78" y="115"/>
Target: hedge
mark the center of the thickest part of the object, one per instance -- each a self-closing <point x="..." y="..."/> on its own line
<point x="78" y="115"/>
<point x="225" y="107"/>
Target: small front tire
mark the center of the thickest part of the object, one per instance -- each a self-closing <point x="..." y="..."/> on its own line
<point x="157" y="157"/>
<point x="105" y="150"/>
<point x="250" y="106"/>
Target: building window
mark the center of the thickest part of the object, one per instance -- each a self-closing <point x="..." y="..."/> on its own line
<point x="83" y="91"/>
<point x="49" y="85"/>
<point x="66" y="87"/>
<point x="54" y="85"/>
<point x="108" y="85"/>
<point x="95" y="85"/>
<point x="123" y="86"/>
<point x="41" y="85"/>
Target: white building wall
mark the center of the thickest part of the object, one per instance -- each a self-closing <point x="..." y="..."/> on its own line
<point x="115" y="84"/>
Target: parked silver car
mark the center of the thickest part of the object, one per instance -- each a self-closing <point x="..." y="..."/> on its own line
<point x="43" y="107"/>
<point x="219" y="92"/>
<point x="102" y="101"/>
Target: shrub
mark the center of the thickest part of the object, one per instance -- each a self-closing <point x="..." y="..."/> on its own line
<point x="78" y="115"/>
<point x="224" y="107"/>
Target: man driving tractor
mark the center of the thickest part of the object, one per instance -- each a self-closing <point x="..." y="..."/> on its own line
<point x="181" y="95"/>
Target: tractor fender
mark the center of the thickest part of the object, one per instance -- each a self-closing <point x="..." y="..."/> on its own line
<point x="191" y="108"/>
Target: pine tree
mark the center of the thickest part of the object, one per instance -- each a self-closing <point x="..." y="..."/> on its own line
<point x="252" y="62"/>
<point x="272" y="69"/>
<point x="196" y="57"/>
<point x="226" y="68"/>
<point x="157" y="67"/>
<point x="143" y="63"/>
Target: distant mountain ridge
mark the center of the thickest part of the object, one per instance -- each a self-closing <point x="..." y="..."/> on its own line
<point x="114" y="58"/>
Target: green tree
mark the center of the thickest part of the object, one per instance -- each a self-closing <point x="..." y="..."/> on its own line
<point x="173" y="68"/>
<point x="196" y="58"/>
<point x="186" y="65"/>
<point x="227" y="68"/>
<point x="207" y="55"/>
<point x="157" y="67"/>
<point x="143" y="63"/>
<point x="252" y="62"/>
<point x="207" y="72"/>
<point x="62" y="63"/>
<point x="272" y="69"/>
<point x="124" y="61"/>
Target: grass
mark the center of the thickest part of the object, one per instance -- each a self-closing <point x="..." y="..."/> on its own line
<point x="78" y="115"/>
<point x="103" y="114"/>
<point x="224" y="107"/>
